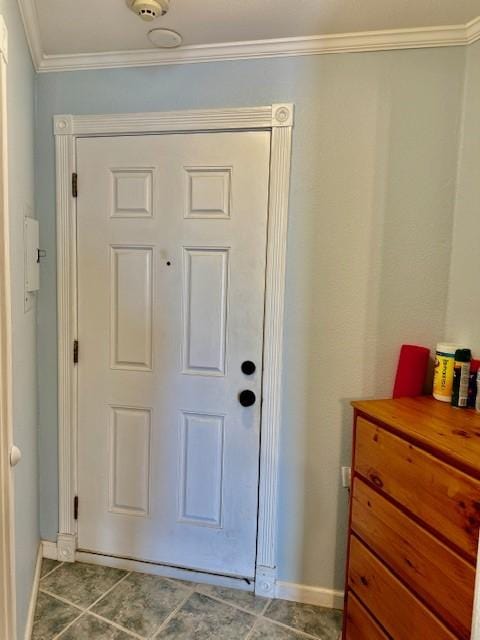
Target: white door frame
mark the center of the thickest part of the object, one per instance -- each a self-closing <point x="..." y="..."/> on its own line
<point x="278" y="119"/>
<point x="7" y="559"/>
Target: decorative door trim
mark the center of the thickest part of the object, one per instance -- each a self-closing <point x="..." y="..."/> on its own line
<point x="278" y="118"/>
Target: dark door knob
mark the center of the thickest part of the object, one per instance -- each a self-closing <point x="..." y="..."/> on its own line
<point x="247" y="398"/>
<point x="248" y="367"/>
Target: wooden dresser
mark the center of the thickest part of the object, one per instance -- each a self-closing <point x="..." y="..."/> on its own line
<point x="414" y="521"/>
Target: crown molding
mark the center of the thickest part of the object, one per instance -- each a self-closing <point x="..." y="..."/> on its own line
<point x="387" y="40"/>
<point x="28" y="11"/>
<point x="3" y="39"/>
<point x="280" y="47"/>
<point x="473" y="30"/>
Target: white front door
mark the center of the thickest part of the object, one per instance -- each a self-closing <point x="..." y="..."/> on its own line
<point x="171" y="279"/>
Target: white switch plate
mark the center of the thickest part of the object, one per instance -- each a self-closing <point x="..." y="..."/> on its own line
<point x="346" y="477"/>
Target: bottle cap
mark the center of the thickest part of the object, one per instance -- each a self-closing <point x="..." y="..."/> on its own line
<point x="474" y="366"/>
<point x="463" y="355"/>
<point x="448" y="348"/>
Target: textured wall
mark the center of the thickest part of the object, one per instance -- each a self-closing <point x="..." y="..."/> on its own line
<point x="20" y="88"/>
<point x="373" y="180"/>
<point x="463" y="318"/>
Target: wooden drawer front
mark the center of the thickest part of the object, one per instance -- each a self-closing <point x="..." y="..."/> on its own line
<point x="443" y="497"/>
<point x="428" y="566"/>
<point x="359" y="624"/>
<point x="395" y="607"/>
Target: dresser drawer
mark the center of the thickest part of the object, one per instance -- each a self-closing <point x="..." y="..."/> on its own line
<point x="359" y="624"/>
<point x="426" y="565"/>
<point x="396" y="608"/>
<point x="446" y="499"/>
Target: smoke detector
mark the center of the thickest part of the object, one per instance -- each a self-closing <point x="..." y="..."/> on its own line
<point x="148" y="10"/>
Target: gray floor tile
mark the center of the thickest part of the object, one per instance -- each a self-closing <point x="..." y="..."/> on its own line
<point x="245" y="599"/>
<point x="81" y="583"/>
<point x="318" y="621"/>
<point x="51" y="616"/>
<point x="205" y="619"/>
<point x="141" y="602"/>
<point x="265" y="630"/>
<point x="90" y="628"/>
<point x="47" y="566"/>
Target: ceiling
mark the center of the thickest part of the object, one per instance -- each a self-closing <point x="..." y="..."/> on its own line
<point x="72" y="27"/>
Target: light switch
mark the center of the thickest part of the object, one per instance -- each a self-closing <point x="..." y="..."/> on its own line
<point x="32" y="267"/>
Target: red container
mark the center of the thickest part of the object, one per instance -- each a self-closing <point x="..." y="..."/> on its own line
<point x="411" y="371"/>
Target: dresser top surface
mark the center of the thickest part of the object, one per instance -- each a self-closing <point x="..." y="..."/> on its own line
<point x="451" y="433"/>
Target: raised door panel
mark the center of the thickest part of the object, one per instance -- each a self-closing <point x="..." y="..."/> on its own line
<point x="130" y="460"/>
<point x="208" y="192"/>
<point x="444" y="498"/>
<point x="131" y="294"/>
<point x="396" y="608"/>
<point x="427" y="565"/>
<point x="132" y="193"/>
<point x="359" y="624"/>
<point x="205" y="291"/>
<point x="201" y="469"/>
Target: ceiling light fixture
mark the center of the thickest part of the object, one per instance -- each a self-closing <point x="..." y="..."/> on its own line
<point x="148" y="10"/>
<point x="165" y="38"/>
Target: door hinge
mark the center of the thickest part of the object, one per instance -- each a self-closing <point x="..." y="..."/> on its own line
<point x="75" y="352"/>
<point x="75" y="508"/>
<point x="74" y="185"/>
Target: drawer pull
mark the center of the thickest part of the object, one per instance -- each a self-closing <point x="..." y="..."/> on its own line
<point x="377" y="481"/>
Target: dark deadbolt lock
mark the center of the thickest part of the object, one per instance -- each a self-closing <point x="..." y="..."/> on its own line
<point x="247" y="398"/>
<point x="248" y="367"/>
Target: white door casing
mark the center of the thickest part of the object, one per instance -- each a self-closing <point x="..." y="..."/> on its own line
<point x="7" y="561"/>
<point x="171" y="238"/>
<point x="278" y="119"/>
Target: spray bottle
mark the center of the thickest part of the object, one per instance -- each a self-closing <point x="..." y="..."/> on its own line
<point x="461" y="373"/>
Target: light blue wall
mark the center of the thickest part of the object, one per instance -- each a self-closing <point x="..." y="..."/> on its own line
<point x="463" y="319"/>
<point x="374" y="160"/>
<point x="20" y="89"/>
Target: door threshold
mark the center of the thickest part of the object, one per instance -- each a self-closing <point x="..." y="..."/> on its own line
<point x="166" y="571"/>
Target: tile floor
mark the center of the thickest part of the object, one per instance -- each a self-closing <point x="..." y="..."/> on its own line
<point x="83" y="601"/>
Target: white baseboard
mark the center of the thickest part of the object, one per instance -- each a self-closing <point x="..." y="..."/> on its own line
<point x="49" y="550"/>
<point x="309" y="595"/>
<point x="33" y="597"/>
